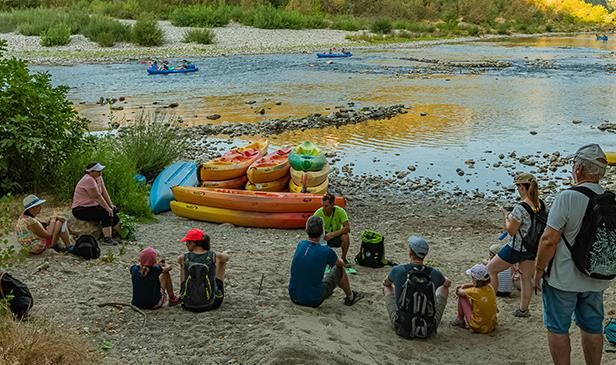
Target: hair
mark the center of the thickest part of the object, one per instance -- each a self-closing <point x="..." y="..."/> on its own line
<point x="591" y="170"/>
<point x="314" y="226"/>
<point x="482" y="283"/>
<point x="204" y="243"/>
<point x="533" y="193"/>
<point x="415" y="255"/>
<point x="329" y="197"/>
<point x="143" y="270"/>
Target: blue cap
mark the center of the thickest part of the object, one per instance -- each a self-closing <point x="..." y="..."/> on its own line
<point x="419" y="246"/>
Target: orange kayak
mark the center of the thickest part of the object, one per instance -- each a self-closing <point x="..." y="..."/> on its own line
<point x="254" y="201"/>
<point x="233" y="163"/>
<point x="270" y="168"/>
<point x="237" y="183"/>
<point x="281" y="184"/>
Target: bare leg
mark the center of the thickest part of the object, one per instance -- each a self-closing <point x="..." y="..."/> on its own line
<point x="465" y="310"/>
<point x="181" y="263"/>
<point x="495" y="266"/>
<point x="166" y="283"/>
<point x="560" y="348"/>
<point x="527" y="268"/>
<point x="221" y="266"/>
<point x="592" y="344"/>
<point x="345" y="243"/>
<point x="345" y="284"/>
<point x="442" y="291"/>
<point x="56" y="233"/>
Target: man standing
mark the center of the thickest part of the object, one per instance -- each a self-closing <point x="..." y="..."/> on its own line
<point x="307" y="286"/>
<point x="566" y="290"/>
<point x="336" y="224"/>
<point x="394" y="283"/>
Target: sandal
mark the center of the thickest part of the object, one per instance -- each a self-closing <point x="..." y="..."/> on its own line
<point x="353" y="299"/>
<point x="521" y="314"/>
<point x="458" y="323"/>
<point x="347" y="264"/>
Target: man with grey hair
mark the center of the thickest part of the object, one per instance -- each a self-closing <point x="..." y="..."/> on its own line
<point x="307" y="286"/>
<point x="566" y="290"/>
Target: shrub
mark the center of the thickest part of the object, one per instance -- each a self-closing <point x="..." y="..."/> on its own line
<point x="269" y="17"/>
<point x="415" y="27"/>
<point x="57" y="35"/>
<point x="7" y="23"/>
<point x="37" y="21"/>
<point x="105" y="39"/>
<point x="146" y="32"/>
<point x="100" y="24"/>
<point x="204" y="16"/>
<point x="381" y="26"/>
<point x="346" y="23"/>
<point x="201" y="36"/>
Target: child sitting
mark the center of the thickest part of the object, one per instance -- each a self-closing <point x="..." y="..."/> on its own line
<point x="152" y="285"/>
<point x="477" y="302"/>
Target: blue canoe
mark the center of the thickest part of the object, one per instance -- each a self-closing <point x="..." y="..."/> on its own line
<point x="602" y="38"/>
<point x="153" y="71"/>
<point x="180" y="173"/>
<point x="334" y="55"/>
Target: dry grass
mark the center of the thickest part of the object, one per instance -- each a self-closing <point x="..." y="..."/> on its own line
<point x="36" y="342"/>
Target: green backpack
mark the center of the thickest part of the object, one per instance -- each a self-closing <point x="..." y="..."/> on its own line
<point x="372" y="251"/>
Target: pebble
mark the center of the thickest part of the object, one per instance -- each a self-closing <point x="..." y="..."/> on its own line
<point x="213" y="116"/>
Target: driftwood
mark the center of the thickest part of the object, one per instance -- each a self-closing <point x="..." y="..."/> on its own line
<point x="118" y="304"/>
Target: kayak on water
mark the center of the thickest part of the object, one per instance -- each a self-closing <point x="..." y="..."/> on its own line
<point x="334" y="55"/>
<point x="165" y="68"/>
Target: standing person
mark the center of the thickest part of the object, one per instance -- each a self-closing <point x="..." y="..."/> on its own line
<point x="337" y="226"/>
<point x="200" y="256"/>
<point x="505" y="277"/>
<point x="36" y="236"/>
<point x="476" y="302"/>
<point x="394" y="283"/>
<point x="307" y="286"/>
<point x="566" y="290"/>
<point x="91" y="202"/>
<point x="518" y="224"/>
<point x="152" y="284"/>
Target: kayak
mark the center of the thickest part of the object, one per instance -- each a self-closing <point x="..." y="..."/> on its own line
<point x="311" y="178"/>
<point x="281" y="184"/>
<point x="270" y="168"/>
<point x="254" y="201"/>
<point x="152" y="71"/>
<point x="334" y="55"/>
<point x="307" y="157"/>
<point x="602" y="38"/>
<point x="182" y="173"/>
<point x="319" y="189"/>
<point x="288" y="220"/>
<point x="237" y="183"/>
<point x="234" y="163"/>
<point x="611" y="158"/>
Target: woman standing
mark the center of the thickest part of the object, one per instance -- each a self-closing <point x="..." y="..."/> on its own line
<point x="37" y="236"/>
<point x="91" y="202"/>
<point x="517" y="225"/>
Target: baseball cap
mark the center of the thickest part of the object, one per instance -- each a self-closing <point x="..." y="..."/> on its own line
<point x="419" y="246"/>
<point x="478" y="272"/>
<point x="147" y="256"/>
<point x="495" y="248"/>
<point x="96" y="168"/>
<point x="591" y="152"/>
<point x="524" y="178"/>
<point x="329" y="197"/>
<point x="194" y="234"/>
<point x="32" y="201"/>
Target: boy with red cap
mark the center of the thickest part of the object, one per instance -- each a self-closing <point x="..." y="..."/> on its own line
<point x="152" y="286"/>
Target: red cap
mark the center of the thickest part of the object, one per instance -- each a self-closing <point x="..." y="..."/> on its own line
<point x="194" y="234"/>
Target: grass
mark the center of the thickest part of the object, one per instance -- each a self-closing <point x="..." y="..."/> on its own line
<point x="205" y="16"/>
<point x="381" y="26"/>
<point x="106" y="31"/>
<point x="57" y="35"/>
<point x="269" y="17"/>
<point x="146" y="32"/>
<point x="346" y="22"/>
<point x="201" y="36"/>
<point x="7" y="23"/>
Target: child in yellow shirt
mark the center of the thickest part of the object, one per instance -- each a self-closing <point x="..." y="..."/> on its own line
<point x="477" y="302"/>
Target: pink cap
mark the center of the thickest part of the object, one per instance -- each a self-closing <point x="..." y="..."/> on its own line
<point x="147" y="256"/>
<point x="194" y="234"/>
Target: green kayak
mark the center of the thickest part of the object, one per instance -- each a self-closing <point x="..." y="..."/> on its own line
<point x="307" y="157"/>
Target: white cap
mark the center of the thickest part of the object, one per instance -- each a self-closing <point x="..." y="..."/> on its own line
<point x="96" y="168"/>
<point x="478" y="272"/>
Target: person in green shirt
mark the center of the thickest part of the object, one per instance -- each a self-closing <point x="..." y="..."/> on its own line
<point x="336" y="224"/>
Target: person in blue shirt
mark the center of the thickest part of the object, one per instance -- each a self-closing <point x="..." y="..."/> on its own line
<point x="307" y="285"/>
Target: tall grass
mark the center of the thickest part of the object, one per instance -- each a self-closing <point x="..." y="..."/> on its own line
<point x="415" y="27"/>
<point x="106" y="31"/>
<point x="201" y="36"/>
<point x="57" y="35"/>
<point x="346" y="22"/>
<point x="7" y="23"/>
<point x="381" y="26"/>
<point x="146" y="32"/>
<point x="269" y="17"/>
<point x="205" y="16"/>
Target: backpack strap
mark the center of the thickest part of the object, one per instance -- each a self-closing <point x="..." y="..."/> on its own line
<point x="590" y="195"/>
<point x="584" y="190"/>
<point x="528" y="209"/>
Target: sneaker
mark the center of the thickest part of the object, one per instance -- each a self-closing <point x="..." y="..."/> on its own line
<point x="521" y="314"/>
<point x="108" y="241"/>
<point x="347" y="264"/>
<point x="354" y="298"/>
<point x="175" y="300"/>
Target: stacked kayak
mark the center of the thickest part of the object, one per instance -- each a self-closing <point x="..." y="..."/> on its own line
<point x="229" y="170"/>
<point x="181" y="173"/>
<point x="270" y="173"/>
<point x="246" y="208"/>
<point x="309" y="169"/>
<point x="611" y="158"/>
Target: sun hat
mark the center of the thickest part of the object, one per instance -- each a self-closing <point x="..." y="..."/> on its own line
<point x="524" y="178"/>
<point x="478" y="272"/>
<point x="194" y="234"/>
<point x="590" y="152"/>
<point x="32" y="201"/>
<point x="147" y="256"/>
<point x="419" y="246"/>
<point x="495" y="248"/>
<point x="96" y="168"/>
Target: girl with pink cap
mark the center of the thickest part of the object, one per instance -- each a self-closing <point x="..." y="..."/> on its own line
<point x="152" y="285"/>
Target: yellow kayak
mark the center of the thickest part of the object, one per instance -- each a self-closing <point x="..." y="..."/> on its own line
<point x="611" y="158"/>
<point x="319" y="189"/>
<point x="234" y="163"/>
<point x="310" y="178"/>
<point x="281" y="184"/>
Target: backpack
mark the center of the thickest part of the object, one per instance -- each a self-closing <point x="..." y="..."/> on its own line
<point x="594" y="251"/>
<point x="538" y="223"/>
<point x="610" y="331"/>
<point x="199" y="290"/>
<point x="415" y="315"/>
<point x="87" y="247"/>
<point x="372" y="250"/>
<point x="19" y="297"/>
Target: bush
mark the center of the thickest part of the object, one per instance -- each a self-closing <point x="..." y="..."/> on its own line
<point x="269" y="17"/>
<point x="414" y="27"/>
<point x="37" y="21"/>
<point x="99" y="25"/>
<point x="146" y="32"/>
<point x="39" y="127"/>
<point x="381" y="26"/>
<point x="7" y="23"/>
<point x="205" y="16"/>
<point x="105" y="39"/>
<point x="201" y="36"/>
<point x="57" y="35"/>
<point x="347" y="23"/>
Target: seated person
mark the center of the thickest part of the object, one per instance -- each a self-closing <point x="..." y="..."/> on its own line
<point x="337" y="226"/>
<point x="394" y="283"/>
<point x="307" y="286"/>
<point x="152" y="284"/>
<point x="36" y="236"/>
<point x="477" y="302"/>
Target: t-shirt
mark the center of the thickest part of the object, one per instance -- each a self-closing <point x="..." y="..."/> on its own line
<point x="28" y="239"/>
<point x="146" y="290"/>
<point x="397" y="275"/>
<point x="81" y="198"/>
<point x="520" y="215"/>
<point x="307" y="268"/>
<point x="335" y="221"/>
<point x="484" y="308"/>
<point x="566" y="216"/>
<point x="505" y="283"/>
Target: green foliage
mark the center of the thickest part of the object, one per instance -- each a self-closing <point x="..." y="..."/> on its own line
<point x="205" y="16"/>
<point x="106" y="31"/>
<point x="381" y="26"/>
<point x="146" y="32"/>
<point x="8" y="212"/>
<point x="269" y="17"/>
<point x="57" y="35"/>
<point x="7" y="23"/>
<point x="201" y="36"/>
<point x="128" y="227"/>
<point x="39" y="127"/>
<point x="345" y="22"/>
<point x="105" y="39"/>
<point x="414" y="27"/>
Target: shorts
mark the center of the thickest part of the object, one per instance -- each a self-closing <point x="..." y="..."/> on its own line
<point x="560" y="305"/>
<point x="331" y="281"/>
<point x="335" y="242"/>
<point x="439" y="306"/>
<point x="511" y="256"/>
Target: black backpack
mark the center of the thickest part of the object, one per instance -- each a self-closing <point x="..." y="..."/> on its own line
<point x="415" y="315"/>
<point x="87" y="247"/>
<point x="199" y="290"/>
<point x="372" y="250"/>
<point x="20" y="299"/>
<point x="594" y="251"/>
<point x="538" y="223"/>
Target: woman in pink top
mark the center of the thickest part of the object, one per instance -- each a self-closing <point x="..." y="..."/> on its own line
<point x="91" y="202"/>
